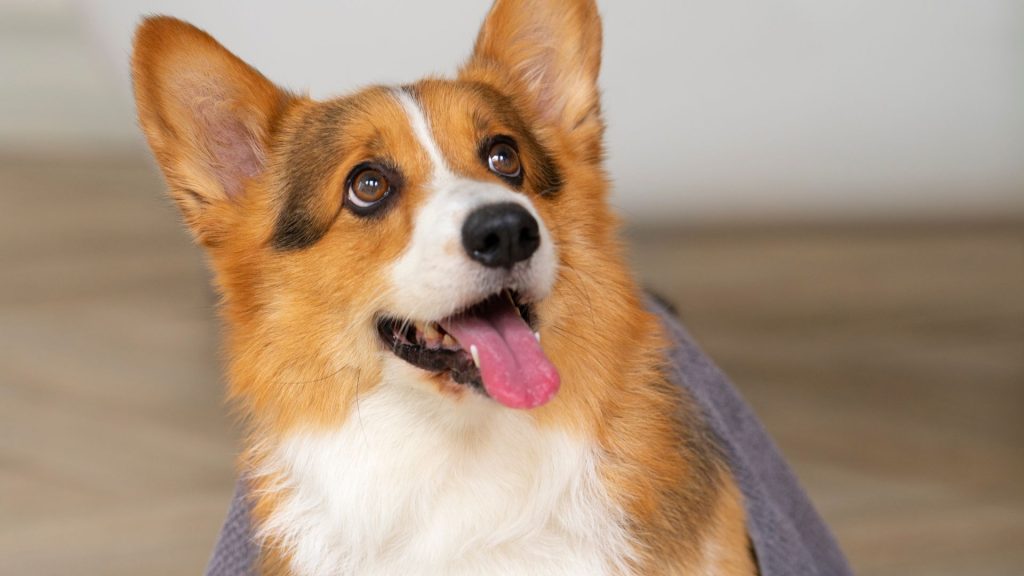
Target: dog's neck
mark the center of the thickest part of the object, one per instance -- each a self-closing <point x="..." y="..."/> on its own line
<point x="415" y="482"/>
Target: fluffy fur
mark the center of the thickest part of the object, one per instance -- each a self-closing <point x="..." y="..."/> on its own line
<point x="491" y="493"/>
<point x="361" y="463"/>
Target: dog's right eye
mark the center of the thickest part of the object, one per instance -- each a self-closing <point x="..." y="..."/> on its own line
<point x="367" y="187"/>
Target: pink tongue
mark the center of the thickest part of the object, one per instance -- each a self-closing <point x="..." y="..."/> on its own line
<point x="513" y="367"/>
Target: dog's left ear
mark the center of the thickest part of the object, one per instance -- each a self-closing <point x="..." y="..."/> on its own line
<point x="550" y="53"/>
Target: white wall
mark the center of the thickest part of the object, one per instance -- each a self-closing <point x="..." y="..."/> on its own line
<point x="718" y="108"/>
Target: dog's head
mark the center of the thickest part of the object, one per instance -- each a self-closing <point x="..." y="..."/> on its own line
<point x="431" y="233"/>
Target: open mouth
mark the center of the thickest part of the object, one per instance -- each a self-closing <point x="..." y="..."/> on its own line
<point x="491" y="346"/>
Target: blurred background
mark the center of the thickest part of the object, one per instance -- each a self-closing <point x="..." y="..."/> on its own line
<point x="831" y="192"/>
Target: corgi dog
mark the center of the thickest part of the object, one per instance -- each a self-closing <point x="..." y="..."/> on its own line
<point x="442" y="362"/>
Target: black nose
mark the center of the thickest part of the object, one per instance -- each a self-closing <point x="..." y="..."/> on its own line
<point x="499" y="235"/>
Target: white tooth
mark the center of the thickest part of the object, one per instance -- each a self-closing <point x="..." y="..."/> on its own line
<point x="475" y="355"/>
<point x="537" y="336"/>
<point x="430" y="334"/>
<point x="449" y="342"/>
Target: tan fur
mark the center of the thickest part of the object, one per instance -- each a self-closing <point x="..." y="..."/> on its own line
<point x="291" y="314"/>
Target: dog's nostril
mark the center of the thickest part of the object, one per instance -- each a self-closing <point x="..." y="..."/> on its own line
<point x="491" y="242"/>
<point x="500" y="235"/>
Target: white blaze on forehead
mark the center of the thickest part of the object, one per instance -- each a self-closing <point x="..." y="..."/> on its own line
<point x="421" y="129"/>
<point x="434" y="277"/>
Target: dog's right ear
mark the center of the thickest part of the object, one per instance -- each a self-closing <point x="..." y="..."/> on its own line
<point x="208" y="116"/>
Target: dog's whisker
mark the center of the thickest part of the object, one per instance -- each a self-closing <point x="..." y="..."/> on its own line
<point x="320" y="379"/>
<point x="359" y="411"/>
<point x="581" y="288"/>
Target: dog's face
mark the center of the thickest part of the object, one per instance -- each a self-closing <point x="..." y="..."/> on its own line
<point x="428" y="205"/>
<point x="424" y="234"/>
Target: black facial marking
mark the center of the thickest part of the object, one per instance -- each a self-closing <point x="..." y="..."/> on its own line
<point x="311" y="158"/>
<point x="542" y="171"/>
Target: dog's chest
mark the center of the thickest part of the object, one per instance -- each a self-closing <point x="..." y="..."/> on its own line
<point x="410" y="486"/>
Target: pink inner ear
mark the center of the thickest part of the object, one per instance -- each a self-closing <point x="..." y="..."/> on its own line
<point x="234" y="155"/>
<point x="541" y="77"/>
<point x="551" y="86"/>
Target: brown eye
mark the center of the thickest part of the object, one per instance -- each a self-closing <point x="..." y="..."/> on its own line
<point x="503" y="160"/>
<point x="368" y="187"/>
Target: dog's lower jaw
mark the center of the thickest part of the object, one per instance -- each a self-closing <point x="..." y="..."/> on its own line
<point x="416" y="483"/>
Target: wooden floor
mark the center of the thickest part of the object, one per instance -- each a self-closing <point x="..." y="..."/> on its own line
<point x="888" y="362"/>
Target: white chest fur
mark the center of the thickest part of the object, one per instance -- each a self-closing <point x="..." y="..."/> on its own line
<point x="414" y="483"/>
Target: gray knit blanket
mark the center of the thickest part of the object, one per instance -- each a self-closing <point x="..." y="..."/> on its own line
<point x="789" y="537"/>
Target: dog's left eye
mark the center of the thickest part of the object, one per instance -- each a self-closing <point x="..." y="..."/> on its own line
<point x="503" y="160"/>
<point x="368" y="187"/>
